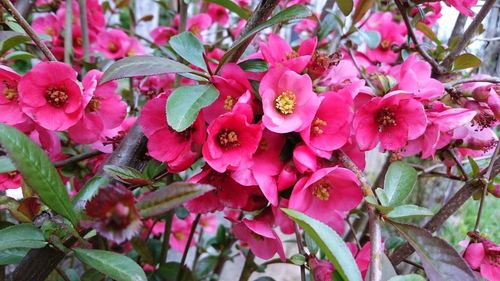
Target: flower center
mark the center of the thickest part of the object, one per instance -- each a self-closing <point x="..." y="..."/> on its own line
<point x="285" y="103"/>
<point x="112" y="47"/>
<point x="93" y="106"/>
<point x="50" y="31"/>
<point x="56" y="97"/>
<point x="12" y="175"/>
<point x="293" y="54"/>
<point x="10" y="94"/>
<point x="317" y="124"/>
<point x="385" y="44"/>
<point x="196" y="30"/>
<point x="263" y="145"/>
<point x="228" y="103"/>
<point x="228" y="138"/>
<point x="385" y="118"/>
<point x="179" y="236"/>
<point x="321" y="190"/>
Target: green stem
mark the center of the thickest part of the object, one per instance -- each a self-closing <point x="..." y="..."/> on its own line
<point x="85" y="32"/>
<point x="248" y="267"/>
<point x="166" y="237"/>
<point x="68" y="32"/>
<point x="188" y="244"/>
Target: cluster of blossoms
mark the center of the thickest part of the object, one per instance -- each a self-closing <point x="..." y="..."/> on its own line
<point x="270" y="139"/>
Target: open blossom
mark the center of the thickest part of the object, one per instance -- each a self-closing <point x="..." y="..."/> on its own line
<point x="391" y="33"/>
<point x="463" y="6"/>
<point x="392" y="119"/>
<point x="277" y="52"/>
<point x="288" y="100"/>
<point x="179" y="233"/>
<point x="198" y="23"/>
<point x="113" y="43"/>
<point x="414" y="76"/>
<point x="178" y="149"/>
<point x="483" y="256"/>
<point x="331" y="126"/>
<point x="104" y="110"/>
<point x="113" y="213"/>
<point x="51" y="95"/>
<point x="218" y="13"/>
<point x="231" y="141"/>
<point x="161" y="34"/>
<point x="10" y="180"/>
<point x="326" y="194"/>
<point x="48" y="25"/>
<point x="260" y="236"/>
<point x="9" y="98"/>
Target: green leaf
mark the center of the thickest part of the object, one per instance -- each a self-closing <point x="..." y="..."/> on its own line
<point x="164" y="199"/>
<point x="37" y="171"/>
<point x="399" y="182"/>
<point x="382" y="197"/>
<point x="143" y="250"/>
<point x="189" y="48"/>
<point x="12" y="256"/>
<point x="474" y="166"/>
<point x="116" y="266"/>
<point x="254" y="65"/>
<point x="361" y="8"/>
<point x="427" y="31"/>
<point x="6" y="165"/>
<point x="409" y="277"/>
<point x="371" y="38"/>
<point x="21" y="236"/>
<point x="233" y="7"/>
<point x="327" y="25"/>
<point x="439" y="259"/>
<point x="330" y="243"/>
<point x="466" y="61"/>
<point x="170" y="270"/>
<point x="126" y="175"/>
<point x="10" y="39"/>
<point x="291" y="13"/>
<point x="206" y="265"/>
<point x="185" y="102"/>
<point x="298" y="259"/>
<point x="345" y="6"/>
<point x="142" y="66"/>
<point x="19" y="55"/>
<point x="405" y="211"/>
<point x="88" y="191"/>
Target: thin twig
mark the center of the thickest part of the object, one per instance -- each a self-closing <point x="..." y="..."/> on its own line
<point x="435" y="66"/>
<point x="374" y="223"/>
<point x="468" y="34"/>
<point x="300" y="246"/>
<point x="459" y="164"/>
<point x="165" y="245"/>
<point x="471" y="80"/>
<point x="27" y="28"/>
<point x="68" y="31"/>
<point x="248" y="267"/>
<point x="188" y="244"/>
<point x="363" y="75"/>
<point x="77" y="158"/>
<point x="413" y="263"/>
<point x="489" y="177"/>
<point x="351" y="229"/>
<point x="85" y="31"/>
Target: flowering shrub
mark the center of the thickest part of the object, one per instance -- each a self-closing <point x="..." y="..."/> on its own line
<point x="229" y="138"/>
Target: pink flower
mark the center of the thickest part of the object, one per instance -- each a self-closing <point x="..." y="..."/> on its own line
<point x="104" y="110"/>
<point x="305" y="25"/>
<point x="483" y="255"/>
<point x="277" y="52"/>
<point x="331" y="126"/>
<point x="111" y="138"/>
<point x="178" y="149"/>
<point x="10" y="180"/>
<point x="218" y="13"/>
<point x="391" y="33"/>
<point x="52" y="96"/>
<point x="180" y="233"/>
<point x="228" y="193"/>
<point x="9" y="97"/>
<point x="414" y="76"/>
<point x="326" y="194"/>
<point x="285" y="223"/>
<point x="304" y="159"/>
<point x="198" y="23"/>
<point x="393" y="119"/>
<point x="260" y="236"/>
<point x="48" y="24"/>
<point x="209" y="223"/>
<point x="322" y="270"/>
<point x="114" y="43"/>
<point x="288" y="101"/>
<point x="232" y="84"/>
<point x="114" y="214"/>
<point x="433" y="12"/>
<point x="161" y="35"/>
<point x="231" y="142"/>
<point x="463" y="6"/>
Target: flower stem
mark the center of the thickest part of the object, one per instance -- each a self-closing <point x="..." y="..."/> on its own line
<point x="248" y="267"/>
<point x="166" y="237"/>
<point x="85" y="32"/>
<point x="68" y="32"/>
<point x="188" y="243"/>
<point x="301" y="251"/>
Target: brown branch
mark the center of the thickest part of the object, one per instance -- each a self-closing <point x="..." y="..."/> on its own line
<point x="260" y="15"/>
<point x="471" y="80"/>
<point x="468" y="34"/>
<point x="460" y="167"/>
<point x="458" y="28"/>
<point x="77" y="158"/>
<point x="27" y="28"/>
<point x="435" y="66"/>
<point x="373" y="224"/>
